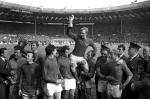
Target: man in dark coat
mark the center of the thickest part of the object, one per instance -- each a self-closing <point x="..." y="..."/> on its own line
<point x="136" y="65"/>
<point x="143" y="86"/>
<point x="5" y="74"/>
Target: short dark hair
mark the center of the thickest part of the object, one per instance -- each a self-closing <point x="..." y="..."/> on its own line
<point x="35" y="42"/>
<point x="17" y="47"/>
<point x="2" y="50"/>
<point x="64" y="48"/>
<point x="122" y="46"/>
<point x="49" y="49"/>
<point x="25" y="42"/>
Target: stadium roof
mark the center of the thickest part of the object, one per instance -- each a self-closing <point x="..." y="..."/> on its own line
<point x="73" y="4"/>
<point x="12" y="12"/>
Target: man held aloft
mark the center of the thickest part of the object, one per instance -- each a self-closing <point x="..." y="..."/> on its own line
<point x="81" y="44"/>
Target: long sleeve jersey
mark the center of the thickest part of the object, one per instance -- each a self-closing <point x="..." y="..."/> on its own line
<point x="29" y="80"/>
<point x="80" y="44"/>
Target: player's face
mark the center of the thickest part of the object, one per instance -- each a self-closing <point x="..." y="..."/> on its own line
<point x="21" y="44"/>
<point x="17" y="54"/>
<point x="83" y="34"/>
<point x="146" y="52"/>
<point x="29" y="57"/>
<point x="120" y="49"/>
<point x="34" y="47"/>
<point x="66" y="52"/>
<point x="131" y="51"/>
<point x="104" y="53"/>
<point x="55" y="52"/>
<point x="89" y="54"/>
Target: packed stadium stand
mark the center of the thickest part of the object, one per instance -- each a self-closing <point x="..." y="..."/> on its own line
<point x="116" y="24"/>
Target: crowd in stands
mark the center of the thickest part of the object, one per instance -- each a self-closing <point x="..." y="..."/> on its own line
<point x="101" y="38"/>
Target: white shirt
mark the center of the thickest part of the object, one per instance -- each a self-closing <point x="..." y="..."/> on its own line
<point x="3" y="58"/>
<point x="133" y="56"/>
<point x="121" y="55"/>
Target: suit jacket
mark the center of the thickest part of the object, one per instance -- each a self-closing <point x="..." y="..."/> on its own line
<point x="4" y="70"/>
<point x="143" y="86"/>
<point x="136" y="65"/>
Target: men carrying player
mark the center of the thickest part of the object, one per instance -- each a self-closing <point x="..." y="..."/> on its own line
<point x="81" y="44"/>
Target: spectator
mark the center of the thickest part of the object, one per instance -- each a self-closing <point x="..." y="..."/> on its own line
<point x="5" y="73"/>
<point x="136" y="65"/>
<point x="143" y="86"/>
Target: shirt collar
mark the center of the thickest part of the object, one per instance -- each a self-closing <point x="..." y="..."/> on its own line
<point x="3" y="58"/>
<point x="121" y="55"/>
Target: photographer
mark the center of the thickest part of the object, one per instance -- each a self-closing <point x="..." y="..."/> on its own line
<point x="5" y="74"/>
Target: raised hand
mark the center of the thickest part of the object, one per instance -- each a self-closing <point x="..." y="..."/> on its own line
<point x="71" y="18"/>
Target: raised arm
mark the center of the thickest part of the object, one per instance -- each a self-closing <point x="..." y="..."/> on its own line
<point x="69" y="29"/>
